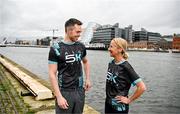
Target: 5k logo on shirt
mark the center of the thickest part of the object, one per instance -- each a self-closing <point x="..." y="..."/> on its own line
<point x="73" y="57"/>
<point x="111" y="77"/>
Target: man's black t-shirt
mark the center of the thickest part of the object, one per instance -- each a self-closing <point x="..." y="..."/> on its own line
<point x="68" y="58"/>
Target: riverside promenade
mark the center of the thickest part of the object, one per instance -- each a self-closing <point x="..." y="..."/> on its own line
<point x="19" y="93"/>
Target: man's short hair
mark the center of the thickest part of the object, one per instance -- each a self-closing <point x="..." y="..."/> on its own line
<point x="72" y="22"/>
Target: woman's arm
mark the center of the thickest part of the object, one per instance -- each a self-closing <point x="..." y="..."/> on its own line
<point x="139" y="91"/>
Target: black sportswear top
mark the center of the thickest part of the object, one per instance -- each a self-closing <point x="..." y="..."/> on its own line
<point x="68" y="58"/>
<point x="119" y="79"/>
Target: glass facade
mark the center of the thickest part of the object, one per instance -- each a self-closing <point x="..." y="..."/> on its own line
<point x="104" y="34"/>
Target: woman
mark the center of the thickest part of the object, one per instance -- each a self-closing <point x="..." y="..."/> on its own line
<point x="120" y="76"/>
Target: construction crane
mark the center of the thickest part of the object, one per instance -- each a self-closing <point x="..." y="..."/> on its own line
<point x="54" y="31"/>
<point x="53" y="38"/>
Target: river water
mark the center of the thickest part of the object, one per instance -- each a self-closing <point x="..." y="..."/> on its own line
<point x="159" y="71"/>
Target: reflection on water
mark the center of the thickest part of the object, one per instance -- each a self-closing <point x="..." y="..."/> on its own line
<point x="160" y="72"/>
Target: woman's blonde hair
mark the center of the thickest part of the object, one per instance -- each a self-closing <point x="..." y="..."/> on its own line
<point x="122" y="43"/>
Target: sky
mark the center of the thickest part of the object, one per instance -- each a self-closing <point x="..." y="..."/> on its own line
<point x="30" y="19"/>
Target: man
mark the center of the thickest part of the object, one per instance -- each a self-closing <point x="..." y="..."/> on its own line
<point x="65" y="59"/>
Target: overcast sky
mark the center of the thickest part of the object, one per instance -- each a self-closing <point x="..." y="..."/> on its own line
<point x="32" y="18"/>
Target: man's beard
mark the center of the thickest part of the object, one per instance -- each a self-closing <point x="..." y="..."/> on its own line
<point x="75" y="38"/>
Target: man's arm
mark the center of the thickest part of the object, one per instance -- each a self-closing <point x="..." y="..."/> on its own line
<point x="87" y="73"/>
<point x="54" y="82"/>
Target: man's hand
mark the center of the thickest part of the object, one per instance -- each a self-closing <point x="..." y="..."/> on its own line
<point x="87" y="85"/>
<point x="62" y="103"/>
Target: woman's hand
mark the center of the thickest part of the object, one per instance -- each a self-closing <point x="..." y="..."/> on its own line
<point x="122" y="99"/>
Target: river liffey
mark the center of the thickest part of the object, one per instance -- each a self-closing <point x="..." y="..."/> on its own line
<point x="159" y="71"/>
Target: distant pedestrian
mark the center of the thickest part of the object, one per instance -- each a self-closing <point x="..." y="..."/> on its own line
<point x="65" y="60"/>
<point x="120" y="76"/>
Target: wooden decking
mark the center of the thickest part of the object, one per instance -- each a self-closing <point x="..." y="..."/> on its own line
<point x="36" y="88"/>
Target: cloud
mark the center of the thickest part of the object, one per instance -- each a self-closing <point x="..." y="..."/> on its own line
<point x="37" y="17"/>
<point x="176" y="15"/>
